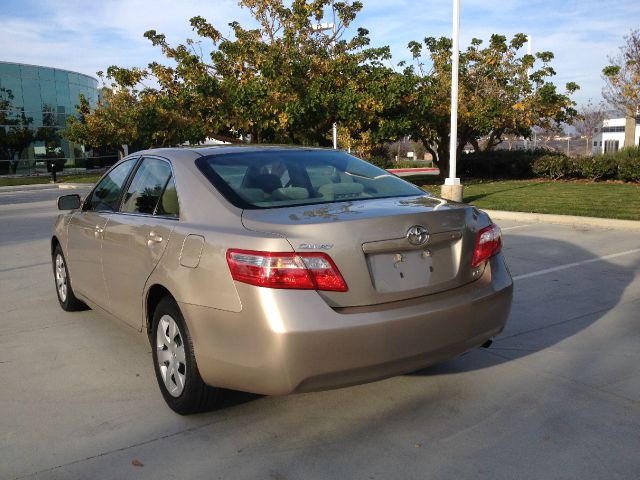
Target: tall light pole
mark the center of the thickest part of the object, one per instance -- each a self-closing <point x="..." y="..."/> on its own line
<point x="320" y="28"/>
<point x="526" y="142"/>
<point x="452" y="189"/>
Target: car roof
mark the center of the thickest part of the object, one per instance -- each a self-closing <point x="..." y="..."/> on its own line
<point x="206" y="150"/>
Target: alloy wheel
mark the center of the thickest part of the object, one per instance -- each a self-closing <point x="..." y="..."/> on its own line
<point x="61" y="278"/>
<point x="171" y="355"/>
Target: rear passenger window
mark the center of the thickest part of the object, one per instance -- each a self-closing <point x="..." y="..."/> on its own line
<point x="168" y="205"/>
<point x="146" y="187"/>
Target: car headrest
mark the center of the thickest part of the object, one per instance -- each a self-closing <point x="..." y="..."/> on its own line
<point x="267" y="182"/>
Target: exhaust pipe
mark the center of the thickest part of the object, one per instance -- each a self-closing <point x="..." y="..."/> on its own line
<point x="487" y="344"/>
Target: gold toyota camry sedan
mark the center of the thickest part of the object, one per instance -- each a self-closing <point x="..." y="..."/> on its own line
<point x="276" y="270"/>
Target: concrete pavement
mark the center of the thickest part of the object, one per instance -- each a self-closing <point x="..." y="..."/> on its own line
<point x="556" y="396"/>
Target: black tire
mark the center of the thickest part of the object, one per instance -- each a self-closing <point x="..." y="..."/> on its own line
<point x="62" y="281"/>
<point x="171" y="371"/>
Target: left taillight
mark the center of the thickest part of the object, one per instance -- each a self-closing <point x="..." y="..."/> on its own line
<point x="488" y="244"/>
<point x="304" y="271"/>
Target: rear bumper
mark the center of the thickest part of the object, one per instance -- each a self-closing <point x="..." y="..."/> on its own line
<point x="286" y="341"/>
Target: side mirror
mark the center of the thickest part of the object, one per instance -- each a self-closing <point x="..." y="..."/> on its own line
<point x="69" y="202"/>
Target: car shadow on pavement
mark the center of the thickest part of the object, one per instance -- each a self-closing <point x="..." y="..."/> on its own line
<point x="552" y="307"/>
<point x="233" y="398"/>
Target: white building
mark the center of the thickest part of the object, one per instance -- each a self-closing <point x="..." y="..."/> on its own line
<point x="610" y="138"/>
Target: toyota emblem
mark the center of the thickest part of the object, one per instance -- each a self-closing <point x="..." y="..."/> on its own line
<point x="417" y="235"/>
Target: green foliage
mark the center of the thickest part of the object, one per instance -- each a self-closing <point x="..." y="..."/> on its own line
<point x="600" y="167"/>
<point x="552" y="166"/>
<point x="381" y="161"/>
<point x="499" y="163"/>
<point x="288" y="82"/>
<point x="522" y="164"/>
<point x="501" y="92"/>
<point x="15" y="131"/>
<point x="284" y="82"/>
<point x="628" y="162"/>
<point x="408" y="164"/>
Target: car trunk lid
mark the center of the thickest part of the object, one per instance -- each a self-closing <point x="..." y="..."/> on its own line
<point x="368" y="242"/>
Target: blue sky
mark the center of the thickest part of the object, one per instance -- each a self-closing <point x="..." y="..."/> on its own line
<point x="87" y="35"/>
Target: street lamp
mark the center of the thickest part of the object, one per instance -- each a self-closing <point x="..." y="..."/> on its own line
<point x="452" y="189"/>
<point x="320" y="28"/>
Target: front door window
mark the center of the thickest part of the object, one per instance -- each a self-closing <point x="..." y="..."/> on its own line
<point x="106" y="195"/>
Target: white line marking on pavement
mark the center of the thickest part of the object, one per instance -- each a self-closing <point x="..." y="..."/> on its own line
<point x="574" y="264"/>
<point x="516" y="226"/>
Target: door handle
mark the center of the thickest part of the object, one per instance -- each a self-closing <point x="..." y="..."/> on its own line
<point x="153" y="237"/>
<point x="98" y="231"/>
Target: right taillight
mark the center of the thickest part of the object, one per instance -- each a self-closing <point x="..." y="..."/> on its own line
<point x="488" y="243"/>
<point x="303" y="271"/>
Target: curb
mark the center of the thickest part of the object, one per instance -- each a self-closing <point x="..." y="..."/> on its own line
<point x="71" y="186"/>
<point x="45" y="186"/>
<point x="565" y="220"/>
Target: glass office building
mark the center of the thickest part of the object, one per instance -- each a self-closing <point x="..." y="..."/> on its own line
<point x="46" y="96"/>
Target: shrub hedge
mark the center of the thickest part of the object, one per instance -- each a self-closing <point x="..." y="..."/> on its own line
<point x="522" y="164"/>
<point x="499" y="163"/>
<point x="622" y="165"/>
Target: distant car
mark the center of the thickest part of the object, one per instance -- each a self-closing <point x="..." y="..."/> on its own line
<point x="276" y="270"/>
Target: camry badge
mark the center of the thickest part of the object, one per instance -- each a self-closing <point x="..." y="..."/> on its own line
<point x="417" y="235"/>
<point x="315" y="246"/>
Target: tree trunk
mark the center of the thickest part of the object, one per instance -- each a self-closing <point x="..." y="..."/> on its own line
<point x="443" y="158"/>
<point x="630" y="130"/>
<point x="434" y="154"/>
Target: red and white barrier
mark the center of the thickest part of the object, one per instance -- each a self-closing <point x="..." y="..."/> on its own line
<point x="405" y="172"/>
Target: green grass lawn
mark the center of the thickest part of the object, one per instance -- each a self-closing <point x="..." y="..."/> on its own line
<point x="606" y="200"/>
<point x="81" y="178"/>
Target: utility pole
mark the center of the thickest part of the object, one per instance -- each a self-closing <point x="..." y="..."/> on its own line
<point x="452" y="189"/>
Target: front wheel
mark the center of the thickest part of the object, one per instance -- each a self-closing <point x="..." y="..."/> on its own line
<point x="66" y="297"/>
<point x="175" y="364"/>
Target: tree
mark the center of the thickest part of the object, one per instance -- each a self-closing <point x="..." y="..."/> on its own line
<point x="19" y="137"/>
<point x="589" y="120"/>
<point x="139" y="118"/>
<point x="48" y="133"/>
<point x="622" y="83"/>
<point x="500" y="93"/>
<point x="284" y="82"/>
<point x="15" y="134"/>
<point x="6" y="98"/>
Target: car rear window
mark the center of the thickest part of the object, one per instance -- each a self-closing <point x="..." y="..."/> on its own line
<point x="283" y="178"/>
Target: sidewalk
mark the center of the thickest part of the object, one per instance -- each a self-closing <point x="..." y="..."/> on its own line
<point x="565" y="220"/>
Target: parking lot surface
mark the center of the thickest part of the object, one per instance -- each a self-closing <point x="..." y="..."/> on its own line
<point x="556" y="396"/>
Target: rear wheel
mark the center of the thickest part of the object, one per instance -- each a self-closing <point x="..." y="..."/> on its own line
<point x="175" y="364"/>
<point x="66" y="297"/>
